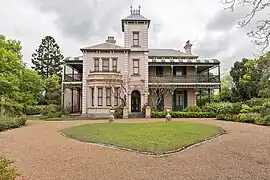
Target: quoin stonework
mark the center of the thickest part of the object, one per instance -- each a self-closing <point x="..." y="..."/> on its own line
<point x="108" y="75"/>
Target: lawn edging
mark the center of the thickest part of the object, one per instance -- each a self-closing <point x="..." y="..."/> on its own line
<point x="184" y="148"/>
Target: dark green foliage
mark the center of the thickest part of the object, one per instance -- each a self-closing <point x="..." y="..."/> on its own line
<point x="118" y="112"/>
<point x="226" y="117"/>
<point x="51" y="111"/>
<point x="266" y="120"/>
<point x="192" y="109"/>
<point x="11" y="122"/>
<point x="223" y="108"/>
<point x="34" y="110"/>
<point x="183" y="114"/>
<point x="256" y="102"/>
<point x="256" y="109"/>
<point x="266" y="109"/>
<point x="47" y="59"/>
<point x="52" y="90"/>
<point x="7" y="172"/>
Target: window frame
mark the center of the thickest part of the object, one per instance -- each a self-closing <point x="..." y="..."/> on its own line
<point x="93" y="96"/>
<point x="114" y="66"/>
<point x="136" y="39"/>
<point x="103" y="66"/>
<point x="108" y="96"/>
<point x="96" y="65"/>
<point x="116" y="96"/>
<point x="100" y="97"/>
<point x="136" y="67"/>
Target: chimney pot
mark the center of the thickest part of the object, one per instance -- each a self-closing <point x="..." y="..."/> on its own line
<point x="111" y="40"/>
<point x="187" y="48"/>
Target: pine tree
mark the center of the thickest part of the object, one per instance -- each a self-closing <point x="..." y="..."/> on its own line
<point x="47" y="59"/>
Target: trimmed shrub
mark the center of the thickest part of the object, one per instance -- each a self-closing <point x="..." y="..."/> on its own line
<point x="192" y="109"/>
<point x="265" y="121"/>
<point x="183" y="114"/>
<point x="256" y="102"/>
<point x="34" y="110"/>
<point x="245" y="109"/>
<point x="11" y="122"/>
<point x="226" y="117"/>
<point x="223" y="108"/>
<point x="7" y="172"/>
<point x="256" y="109"/>
<point x="266" y="109"/>
<point x="51" y="111"/>
<point x="244" y="117"/>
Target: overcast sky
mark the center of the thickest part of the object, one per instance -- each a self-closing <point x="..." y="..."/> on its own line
<point x="78" y="23"/>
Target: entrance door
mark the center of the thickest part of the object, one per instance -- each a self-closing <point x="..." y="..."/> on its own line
<point x="135" y="101"/>
<point x="178" y="101"/>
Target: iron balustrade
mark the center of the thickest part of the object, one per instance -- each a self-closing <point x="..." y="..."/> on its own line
<point x="184" y="79"/>
<point x="73" y="77"/>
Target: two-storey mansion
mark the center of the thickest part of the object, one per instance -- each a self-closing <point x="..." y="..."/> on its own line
<point x="108" y="75"/>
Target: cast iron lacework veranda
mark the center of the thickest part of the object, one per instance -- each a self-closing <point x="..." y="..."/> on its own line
<point x="106" y="74"/>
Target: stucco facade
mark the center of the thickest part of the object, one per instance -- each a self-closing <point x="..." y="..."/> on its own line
<point x="132" y="75"/>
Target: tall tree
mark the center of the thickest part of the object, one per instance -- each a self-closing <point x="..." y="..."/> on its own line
<point x="226" y="88"/>
<point x="18" y="86"/>
<point x="52" y="90"/>
<point x="260" y="34"/>
<point x="47" y="59"/>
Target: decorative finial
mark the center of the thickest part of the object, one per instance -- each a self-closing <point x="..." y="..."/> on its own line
<point x="131" y="9"/>
<point x="139" y="9"/>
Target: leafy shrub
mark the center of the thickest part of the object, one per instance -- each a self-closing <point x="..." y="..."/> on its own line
<point x="263" y="121"/>
<point x="256" y="102"/>
<point x="192" y="109"/>
<point x="256" y="109"/>
<point x="266" y="109"/>
<point x="245" y="109"/>
<point x="226" y="117"/>
<point x="183" y="114"/>
<point x="51" y="111"/>
<point x="223" y="108"/>
<point x="12" y="108"/>
<point x="34" y="110"/>
<point x="7" y="172"/>
<point x="11" y="122"/>
<point x="118" y="112"/>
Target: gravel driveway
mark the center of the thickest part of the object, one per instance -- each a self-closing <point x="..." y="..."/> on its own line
<point x="41" y="153"/>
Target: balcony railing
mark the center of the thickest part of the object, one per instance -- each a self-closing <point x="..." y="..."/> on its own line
<point x="184" y="79"/>
<point x="73" y="77"/>
<point x="104" y="71"/>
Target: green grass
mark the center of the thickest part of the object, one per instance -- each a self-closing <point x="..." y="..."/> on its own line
<point x="148" y="137"/>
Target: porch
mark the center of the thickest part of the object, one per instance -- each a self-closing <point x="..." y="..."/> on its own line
<point x="72" y="85"/>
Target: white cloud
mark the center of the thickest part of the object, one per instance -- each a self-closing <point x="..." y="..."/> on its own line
<point x="75" y="24"/>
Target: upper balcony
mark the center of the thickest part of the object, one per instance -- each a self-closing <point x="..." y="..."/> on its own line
<point x="72" y="70"/>
<point x="73" y="77"/>
<point x="153" y="78"/>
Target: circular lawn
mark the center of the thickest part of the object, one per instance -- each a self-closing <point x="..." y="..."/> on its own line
<point x="154" y="138"/>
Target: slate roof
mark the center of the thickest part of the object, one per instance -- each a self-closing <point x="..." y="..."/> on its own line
<point x="104" y="46"/>
<point x="134" y="17"/>
<point x="137" y="17"/>
<point x="167" y="53"/>
<point x="79" y="58"/>
<point x="188" y="61"/>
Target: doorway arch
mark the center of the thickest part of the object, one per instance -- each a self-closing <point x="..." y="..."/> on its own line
<point x="135" y="101"/>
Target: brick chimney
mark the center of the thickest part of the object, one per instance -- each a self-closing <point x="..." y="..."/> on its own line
<point x="111" y="40"/>
<point x="187" y="48"/>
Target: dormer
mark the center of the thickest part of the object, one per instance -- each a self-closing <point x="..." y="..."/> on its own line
<point x="135" y="28"/>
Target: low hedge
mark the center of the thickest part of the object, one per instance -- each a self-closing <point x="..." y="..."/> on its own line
<point x="179" y="114"/>
<point x="11" y="122"/>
